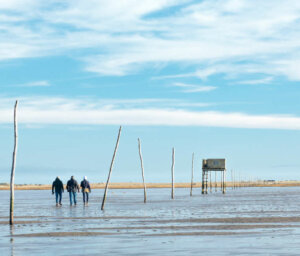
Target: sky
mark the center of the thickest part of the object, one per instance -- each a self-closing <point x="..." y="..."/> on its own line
<point x="219" y="78"/>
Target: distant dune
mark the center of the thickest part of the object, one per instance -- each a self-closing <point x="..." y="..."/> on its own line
<point x="133" y="185"/>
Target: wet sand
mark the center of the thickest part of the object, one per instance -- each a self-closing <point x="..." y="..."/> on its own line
<point x="91" y="234"/>
<point x="202" y="234"/>
<point x="147" y="219"/>
<point x="233" y="220"/>
<point x="206" y="227"/>
<point x="249" y="221"/>
<point x="184" y="230"/>
<point x="63" y="234"/>
<point x="22" y="222"/>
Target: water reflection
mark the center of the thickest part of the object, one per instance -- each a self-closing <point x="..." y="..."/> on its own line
<point x="12" y="241"/>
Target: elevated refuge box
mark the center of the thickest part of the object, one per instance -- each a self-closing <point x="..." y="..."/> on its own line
<point x="214" y="164"/>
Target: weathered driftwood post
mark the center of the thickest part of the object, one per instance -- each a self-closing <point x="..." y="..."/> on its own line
<point x="172" y="169"/>
<point x="192" y="180"/>
<point x="224" y="182"/>
<point x="216" y="181"/>
<point x="210" y="182"/>
<point x="203" y="173"/>
<point x="142" y="167"/>
<point x="232" y="182"/>
<point x="12" y="179"/>
<point x="110" y="169"/>
<point x="221" y="185"/>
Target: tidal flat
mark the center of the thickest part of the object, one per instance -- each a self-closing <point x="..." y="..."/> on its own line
<point x="244" y="221"/>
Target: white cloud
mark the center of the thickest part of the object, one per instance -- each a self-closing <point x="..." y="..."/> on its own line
<point x="288" y="67"/>
<point x="42" y="83"/>
<point x="191" y="88"/>
<point x="16" y="5"/>
<point x="94" y="103"/>
<point x="43" y="111"/>
<point x="266" y="80"/>
<point x="213" y="36"/>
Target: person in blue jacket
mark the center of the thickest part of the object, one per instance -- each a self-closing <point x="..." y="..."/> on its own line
<point x="72" y="188"/>
<point x="86" y="189"/>
<point x="58" y="186"/>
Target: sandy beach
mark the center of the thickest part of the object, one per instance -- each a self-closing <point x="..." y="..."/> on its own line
<point x="136" y="185"/>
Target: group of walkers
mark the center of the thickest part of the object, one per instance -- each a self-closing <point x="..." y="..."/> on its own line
<point x="72" y="187"/>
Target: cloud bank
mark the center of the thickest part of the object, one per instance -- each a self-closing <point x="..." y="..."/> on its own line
<point x="136" y="112"/>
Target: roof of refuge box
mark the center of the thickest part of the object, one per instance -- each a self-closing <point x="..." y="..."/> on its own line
<point x="214" y="164"/>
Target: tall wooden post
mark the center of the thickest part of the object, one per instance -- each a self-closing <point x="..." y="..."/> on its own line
<point x="142" y="167"/>
<point x="110" y="169"/>
<point x="172" y="170"/>
<point x="210" y="182"/>
<point x="216" y="181"/>
<point x="202" y="184"/>
<point x="234" y="179"/>
<point x="224" y="181"/>
<point x="192" y="180"/>
<point x="221" y="185"/>
<point x="232" y="182"/>
<point x="12" y="178"/>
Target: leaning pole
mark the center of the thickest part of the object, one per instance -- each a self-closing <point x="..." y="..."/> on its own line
<point x="12" y="178"/>
<point x="142" y="167"/>
<point x="110" y="169"/>
<point x="172" y="172"/>
<point x="192" y="180"/>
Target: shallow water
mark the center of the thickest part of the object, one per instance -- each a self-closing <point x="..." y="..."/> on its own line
<point x="161" y="226"/>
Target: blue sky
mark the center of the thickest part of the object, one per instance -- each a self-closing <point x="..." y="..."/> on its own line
<point x="218" y="78"/>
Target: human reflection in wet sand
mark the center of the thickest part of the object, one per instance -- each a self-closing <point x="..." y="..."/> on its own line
<point x="12" y="245"/>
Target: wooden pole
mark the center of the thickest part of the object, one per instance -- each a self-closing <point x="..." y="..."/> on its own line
<point x="221" y="185"/>
<point x="215" y="181"/>
<point x="142" y="167"/>
<point x="202" y="184"/>
<point x="224" y="181"/>
<point x="192" y="180"/>
<point x="232" y="182"/>
<point x="234" y="178"/>
<point x="172" y="169"/>
<point x="210" y="182"/>
<point x="12" y="179"/>
<point x="110" y="169"/>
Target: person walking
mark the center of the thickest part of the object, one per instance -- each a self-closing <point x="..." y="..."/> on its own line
<point x="58" y="186"/>
<point x="72" y="188"/>
<point x="86" y="189"/>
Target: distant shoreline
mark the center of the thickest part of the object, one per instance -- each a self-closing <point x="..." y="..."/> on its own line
<point x="136" y="185"/>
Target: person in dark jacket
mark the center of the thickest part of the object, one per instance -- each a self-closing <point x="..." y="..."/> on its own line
<point x="58" y="186"/>
<point x="86" y="189"/>
<point x="72" y="188"/>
